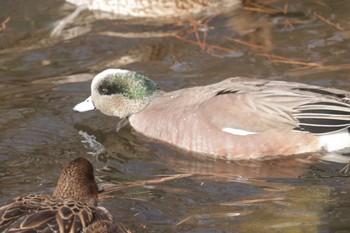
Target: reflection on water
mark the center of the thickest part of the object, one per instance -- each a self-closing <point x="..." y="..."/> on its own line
<point x="42" y="78"/>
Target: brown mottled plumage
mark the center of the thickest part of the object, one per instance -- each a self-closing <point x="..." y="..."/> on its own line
<point x="157" y="9"/>
<point x="71" y="209"/>
<point x="238" y="118"/>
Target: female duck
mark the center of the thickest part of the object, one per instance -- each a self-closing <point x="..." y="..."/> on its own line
<point x="157" y="9"/>
<point x="72" y="208"/>
<point x="238" y="118"/>
<point x="160" y="11"/>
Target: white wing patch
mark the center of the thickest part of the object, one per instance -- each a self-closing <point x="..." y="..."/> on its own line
<point x="239" y="132"/>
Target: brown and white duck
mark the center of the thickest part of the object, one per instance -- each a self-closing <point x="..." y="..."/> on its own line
<point x="71" y="209"/>
<point x="157" y="9"/>
<point x="238" y="118"/>
<point x="160" y="11"/>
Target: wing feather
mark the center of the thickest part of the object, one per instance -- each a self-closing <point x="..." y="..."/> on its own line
<point x="41" y="213"/>
<point x="256" y="106"/>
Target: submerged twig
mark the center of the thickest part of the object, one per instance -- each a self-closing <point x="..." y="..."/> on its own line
<point x="345" y="168"/>
<point x="251" y="45"/>
<point x="3" y="24"/>
<point x="264" y="7"/>
<point x="214" y="215"/>
<point x="304" y="65"/>
<point x="122" y="228"/>
<point x="327" y="21"/>
<point x="114" y="188"/>
<point x="201" y="38"/>
<point x="285" y="60"/>
<point x="245" y="202"/>
<point x="255" y="7"/>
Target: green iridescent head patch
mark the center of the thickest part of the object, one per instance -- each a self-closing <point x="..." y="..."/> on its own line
<point x="132" y="85"/>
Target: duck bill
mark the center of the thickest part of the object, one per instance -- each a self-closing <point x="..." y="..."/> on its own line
<point x="86" y="105"/>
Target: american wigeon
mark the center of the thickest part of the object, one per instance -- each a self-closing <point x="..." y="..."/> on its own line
<point x="71" y="209"/>
<point x="157" y="11"/>
<point x="238" y="118"/>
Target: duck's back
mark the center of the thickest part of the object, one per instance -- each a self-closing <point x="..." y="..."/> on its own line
<point x="158" y="8"/>
<point x="43" y="213"/>
<point x="240" y="118"/>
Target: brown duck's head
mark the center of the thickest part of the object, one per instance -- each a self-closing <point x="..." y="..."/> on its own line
<point x="77" y="182"/>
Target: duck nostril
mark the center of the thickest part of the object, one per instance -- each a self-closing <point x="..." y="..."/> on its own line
<point x="86" y="105"/>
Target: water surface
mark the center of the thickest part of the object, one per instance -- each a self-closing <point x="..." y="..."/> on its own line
<point x="42" y="78"/>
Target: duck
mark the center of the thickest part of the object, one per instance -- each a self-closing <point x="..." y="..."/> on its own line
<point x="239" y="118"/>
<point x="160" y="11"/>
<point x="155" y="9"/>
<point x="72" y="208"/>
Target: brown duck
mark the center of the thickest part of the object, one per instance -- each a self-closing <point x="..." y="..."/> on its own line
<point x="157" y="9"/>
<point x="160" y="11"/>
<point x="71" y="209"/>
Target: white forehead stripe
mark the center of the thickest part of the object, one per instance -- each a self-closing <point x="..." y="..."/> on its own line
<point x="105" y="73"/>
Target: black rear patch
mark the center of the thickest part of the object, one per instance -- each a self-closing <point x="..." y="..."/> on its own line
<point x="323" y="117"/>
<point x="326" y="112"/>
<point x="319" y="122"/>
<point x="317" y="129"/>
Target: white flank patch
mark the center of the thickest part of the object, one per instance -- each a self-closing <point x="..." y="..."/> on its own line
<point x="84" y="106"/>
<point x="239" y="132"/>
<point x="336" y="141"/>
<point x="335" y="157"/>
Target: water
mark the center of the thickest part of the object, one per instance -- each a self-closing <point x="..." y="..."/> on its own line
<point x="42" y="78"/>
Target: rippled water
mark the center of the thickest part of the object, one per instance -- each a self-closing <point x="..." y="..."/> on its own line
<point x="42" y="78"/>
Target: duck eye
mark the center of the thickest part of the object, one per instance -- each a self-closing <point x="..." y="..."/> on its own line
<point x="108" y="89"/>
<point x="104" y="91"/>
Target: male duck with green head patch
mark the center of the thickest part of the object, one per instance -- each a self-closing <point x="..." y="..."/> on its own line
<point x="238" y="118"/>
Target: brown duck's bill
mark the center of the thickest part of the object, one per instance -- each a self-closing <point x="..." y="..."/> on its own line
<point x="86" y="105"/>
